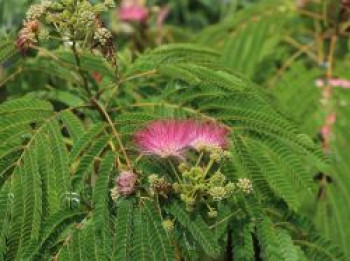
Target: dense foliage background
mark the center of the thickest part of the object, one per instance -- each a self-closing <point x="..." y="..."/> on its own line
<point x="78" y="78"/>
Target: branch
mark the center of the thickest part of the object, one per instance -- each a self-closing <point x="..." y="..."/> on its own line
<point x="116" y="134"/>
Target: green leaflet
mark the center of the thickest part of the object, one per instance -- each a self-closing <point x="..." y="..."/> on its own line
<point x="198" y="229"/>
<point x="142" y="250"/>
<point x="123" y="231"/>
<point x="242" y="242"/>
<point x="159" y="239"/>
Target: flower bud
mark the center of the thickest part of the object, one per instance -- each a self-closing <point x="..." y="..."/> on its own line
<point x="217" y="193"/>
<point x="36" y="12"/>
<point x="215" y="156"/>
<point x="183" y="167"/>
<point x="161" y="186"/>
<point x="103" y="35"/>
<point x="152" y="178"/>
<point x="217" y="179"/>
<point x="245" y="185"/>
<point x="126" y="183"/>
<point x="230" y="187"/>
<point x="176" y="187"/>
<point x="114" y="193"/>
<point x="212" y="213"/>
<point x="168" y="225"/>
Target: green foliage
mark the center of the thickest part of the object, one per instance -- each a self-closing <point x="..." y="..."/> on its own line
<point x="197" y="228"/>
<point x="66" y="137"/>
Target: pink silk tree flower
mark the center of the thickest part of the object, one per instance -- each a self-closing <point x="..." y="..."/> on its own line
<point x="210" y="135"/>
<point x="334" y="82"/>
<point x="133" y="11"/>
<point x="126" y="183"/>
<point x="166" y="138"/>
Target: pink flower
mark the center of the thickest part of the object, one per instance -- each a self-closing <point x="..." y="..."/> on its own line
<point x="334" y="82"/>
<point x="126" y="183"/>
<point x="210" y="135"/>
<point x="166" y="138"/>
<point x="133" y="11"/>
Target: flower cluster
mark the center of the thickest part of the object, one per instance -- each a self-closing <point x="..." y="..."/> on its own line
<point x="197" y="184"/>
<point x="75" y="21"/>
<point x="167" y="138"/>
<point x="202" y="147"/>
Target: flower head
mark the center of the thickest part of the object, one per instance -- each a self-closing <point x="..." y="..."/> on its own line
<point x="165" y="138"/>
<point x="126" y="183"/>
<point x="133" y="11"/>
<point x="210" y="135"/>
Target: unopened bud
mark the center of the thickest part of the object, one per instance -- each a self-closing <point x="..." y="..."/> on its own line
<point x="168" y="225"/>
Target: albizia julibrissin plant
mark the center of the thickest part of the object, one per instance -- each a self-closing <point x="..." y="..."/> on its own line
<point x="168" y="156"/>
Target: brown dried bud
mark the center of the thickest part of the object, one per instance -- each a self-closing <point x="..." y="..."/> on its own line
<point x="27" y="35"/>
<point x="162" y="187"/>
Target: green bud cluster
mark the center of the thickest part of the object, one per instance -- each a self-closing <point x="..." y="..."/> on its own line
<point x="37" y="11"/>
<point x="102" y="36"/>
<point x="197" y="185"/>
<point x="168" y="225"/>
<point x="109" y="3"/>
<point x="218" y="154"/>
<point x="74" y="19"/>
<point x="245" y="185"/>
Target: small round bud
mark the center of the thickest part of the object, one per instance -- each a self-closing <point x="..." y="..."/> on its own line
<point x="217" y="179"/>
<point x="114" y="193"/>
<point x="183" y="197"/>
<point x="161" y="186"/>
<point x="109" y="3"/>
<point x="217" y="193"/>
<point x="215" y="156"/>
<point x="33" y="26"/>
<point x="230" y="188"/>
<point x="212" y="213"/>
<point x="35" y="12"/>
<point x="182" y="167"/>
<point x="152" y="178"/>
<point x="245" y="185"/>
<point x="190" y="200"/>
<point x="57" y="7"/>
<point x="176" y="187"/>
<point x="168" y="225"/>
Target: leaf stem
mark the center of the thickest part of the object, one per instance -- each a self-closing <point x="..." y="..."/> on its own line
<point x="174" y="170"/>
<point x="105" y="115"/>
<point x="80" y="70"/>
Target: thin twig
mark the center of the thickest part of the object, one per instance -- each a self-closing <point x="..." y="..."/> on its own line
<point x="106" y="116"/>
<point x="80" y="70"/>
<point x="224" y="219"/>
